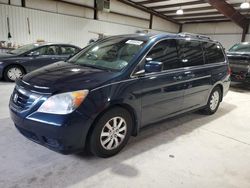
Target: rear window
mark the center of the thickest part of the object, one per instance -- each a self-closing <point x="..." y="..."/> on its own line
<point x="213" y="53"/>
<point x="68" y="50"/>
<point x="242" y="47"/>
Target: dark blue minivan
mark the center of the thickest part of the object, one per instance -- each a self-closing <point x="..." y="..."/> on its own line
<point x="114" y="87"/>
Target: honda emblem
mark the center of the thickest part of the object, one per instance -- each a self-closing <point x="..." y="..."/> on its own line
<point x="15" y="98"/>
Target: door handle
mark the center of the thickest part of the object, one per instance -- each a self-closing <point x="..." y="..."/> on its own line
<point x="176" y="78"/>
<point x="190" y="75"/>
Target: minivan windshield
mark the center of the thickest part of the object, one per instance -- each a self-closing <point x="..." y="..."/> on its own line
<point x="242" y="47"/>
<point x="111" y="53"/>
<point x="23" y="49"/>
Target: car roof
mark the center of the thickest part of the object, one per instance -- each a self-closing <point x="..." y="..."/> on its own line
<point x="148" y="36"/>
<point x="52" y="43"/>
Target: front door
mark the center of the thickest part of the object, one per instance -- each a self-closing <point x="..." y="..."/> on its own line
<point x="162" y="92"/>
<point x="46" y="55"/>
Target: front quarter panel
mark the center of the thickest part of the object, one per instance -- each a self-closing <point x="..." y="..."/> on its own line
<point x="13" y="61"/>
<point x="124" y="93"/>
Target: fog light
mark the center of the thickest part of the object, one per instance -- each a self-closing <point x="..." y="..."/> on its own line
<point x="51" y="141"/>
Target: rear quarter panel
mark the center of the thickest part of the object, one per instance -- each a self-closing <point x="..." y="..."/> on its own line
<point x="220" y="76"/>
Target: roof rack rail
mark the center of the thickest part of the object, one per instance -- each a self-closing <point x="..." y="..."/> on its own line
<point x="195" y="35"/>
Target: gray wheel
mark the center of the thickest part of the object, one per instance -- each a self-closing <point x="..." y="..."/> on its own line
<point x="113" y="133"/>
<point x="213" y="101"/>
<point x="110" y="132"/>
<point x="12" y="72"/>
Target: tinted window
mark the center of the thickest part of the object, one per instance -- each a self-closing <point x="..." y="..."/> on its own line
<point x="165" y="52"/>
<point x="214" y="53"/>
<point x="190" y="53"/>
<point x="48" y="50"/>
<point x="68" y="50"/>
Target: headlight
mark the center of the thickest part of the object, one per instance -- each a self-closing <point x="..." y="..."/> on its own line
<point x="63" y="103"/>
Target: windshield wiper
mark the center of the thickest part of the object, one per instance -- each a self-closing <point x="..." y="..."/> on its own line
<point x="97" y="67"/>
<point x="92" y="66"/>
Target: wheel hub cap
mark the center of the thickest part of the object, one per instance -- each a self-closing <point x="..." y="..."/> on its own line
<point x="214" y="100"/>
<point x="113" y="133"/>
<point x="14" y="73"/>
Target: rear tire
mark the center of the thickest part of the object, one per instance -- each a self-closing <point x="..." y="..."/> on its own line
<point x="12" y="72"/>
<point x="111" y="133"/>
<point x="213" y="101"/>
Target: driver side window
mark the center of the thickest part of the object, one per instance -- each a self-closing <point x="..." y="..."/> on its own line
<point x="165" y="52"/>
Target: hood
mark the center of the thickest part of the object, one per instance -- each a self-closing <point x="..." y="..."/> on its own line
<point x="63" y="77"/>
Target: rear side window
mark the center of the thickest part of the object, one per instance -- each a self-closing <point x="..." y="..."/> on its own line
<point x="190" y="53"/>
<point x="165" y="52"/>
<point x="48" y="50"/>
<point x="213" y="53"/>
<point x="68" y="50"/>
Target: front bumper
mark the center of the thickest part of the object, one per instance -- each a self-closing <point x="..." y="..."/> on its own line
<point x="1" y="71"/>
<point x="66" y="137"/>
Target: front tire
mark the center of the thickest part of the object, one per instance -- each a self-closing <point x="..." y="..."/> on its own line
<point x="12" y="72"/>
<point x="213" y="101"/>
<point x="111" y="132"/>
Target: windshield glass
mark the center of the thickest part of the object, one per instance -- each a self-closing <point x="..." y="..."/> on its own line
<point x="112" y="53"/>
<point x="23" y="49"/>
<point x="242" y="47"/>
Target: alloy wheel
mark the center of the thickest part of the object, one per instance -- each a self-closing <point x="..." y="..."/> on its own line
<point x="113" y="133"/>
<point x="214" y="100"/>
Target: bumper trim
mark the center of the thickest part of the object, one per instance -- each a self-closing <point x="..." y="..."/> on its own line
<point x="67" y="138"/>
<point x="50" y="143"/>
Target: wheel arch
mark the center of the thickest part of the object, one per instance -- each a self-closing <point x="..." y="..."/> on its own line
<point x="222" y="90"/>
<point x="14" y="64"/>
<point x="134" y="117"/>
<point x="218" y="84"/>
<point x="125" y="106"/>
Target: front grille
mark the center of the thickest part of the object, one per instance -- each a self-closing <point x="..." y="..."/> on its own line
<point x="23" y="99"/>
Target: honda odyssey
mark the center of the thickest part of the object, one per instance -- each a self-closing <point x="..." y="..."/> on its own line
<point x="111" y="89"/>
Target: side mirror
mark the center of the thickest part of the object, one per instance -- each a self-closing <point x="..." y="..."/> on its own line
<point x="33" y="54"/>
<point x="153" y="66"/>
